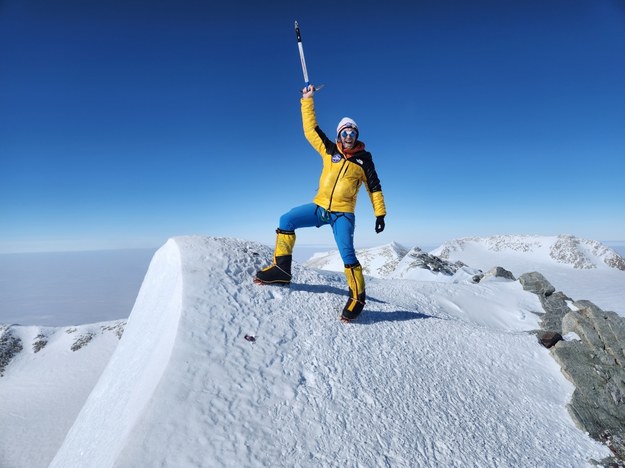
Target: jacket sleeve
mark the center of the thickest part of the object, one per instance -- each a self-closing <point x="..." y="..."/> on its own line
<point x="372" y="182"/>
<point x="377" y="200"/>
<point x="313" y="133"/>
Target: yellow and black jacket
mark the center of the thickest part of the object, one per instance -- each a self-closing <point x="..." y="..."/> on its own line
<point x="343" y="173"/>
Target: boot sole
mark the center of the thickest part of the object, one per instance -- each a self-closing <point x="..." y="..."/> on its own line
<point x="276" y="283"/>
<point x="344" y="319"/>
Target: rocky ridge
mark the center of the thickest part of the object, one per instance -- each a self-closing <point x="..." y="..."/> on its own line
<point x="592" y="358"/>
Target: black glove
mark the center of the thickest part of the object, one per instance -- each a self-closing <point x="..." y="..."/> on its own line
<point x="379" y="224"/>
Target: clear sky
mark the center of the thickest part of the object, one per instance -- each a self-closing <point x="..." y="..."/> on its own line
<point x="123" y="123"/>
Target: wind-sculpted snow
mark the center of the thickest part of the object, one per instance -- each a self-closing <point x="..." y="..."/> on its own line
<point x="120" y="397"/>
<point x="433" y="374"/>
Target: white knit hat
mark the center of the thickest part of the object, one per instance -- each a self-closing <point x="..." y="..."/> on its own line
<point x="346" y="122"/>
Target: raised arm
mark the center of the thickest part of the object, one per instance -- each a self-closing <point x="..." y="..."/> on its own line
<point x="313" y="133"/>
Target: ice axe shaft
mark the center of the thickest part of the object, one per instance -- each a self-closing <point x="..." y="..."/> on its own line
<point x="300" y="46"/>
<point x="302" y="58"/>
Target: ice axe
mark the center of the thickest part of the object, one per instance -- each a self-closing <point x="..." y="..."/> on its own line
<point x="300" y="46"/>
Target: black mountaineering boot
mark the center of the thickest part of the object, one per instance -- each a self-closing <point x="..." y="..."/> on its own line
<point x="280" y="271"/>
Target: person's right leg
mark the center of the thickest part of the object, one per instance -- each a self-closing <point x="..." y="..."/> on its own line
<point x="301" y="216"/>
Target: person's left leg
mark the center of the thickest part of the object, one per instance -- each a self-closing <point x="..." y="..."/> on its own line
<point x="357" y="296"/>
<point x="343" y="226"/>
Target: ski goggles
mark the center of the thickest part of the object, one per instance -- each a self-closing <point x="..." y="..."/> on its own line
<point x="349" y="132"/>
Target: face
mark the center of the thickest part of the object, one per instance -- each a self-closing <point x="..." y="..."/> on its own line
<point x="348" y="137"/>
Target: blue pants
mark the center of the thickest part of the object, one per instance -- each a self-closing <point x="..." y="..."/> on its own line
<point x="343" y="225"/>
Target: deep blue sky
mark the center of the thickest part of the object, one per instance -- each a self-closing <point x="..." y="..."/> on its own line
<point x="123" y="123"/>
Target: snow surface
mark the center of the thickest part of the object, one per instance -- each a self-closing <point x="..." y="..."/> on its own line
<point x="433" y="374"/>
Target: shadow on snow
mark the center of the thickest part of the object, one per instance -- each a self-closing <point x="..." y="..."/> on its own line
<point x="324" y="288"/>
<point x="367" y="317"/>
<point x="376" y="316"/>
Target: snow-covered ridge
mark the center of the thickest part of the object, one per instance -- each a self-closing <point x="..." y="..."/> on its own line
<point x="565" y="249"/>
<point x="46" y="375"/>
<point x="289" y="397"/>
<point x="15" y="339"/>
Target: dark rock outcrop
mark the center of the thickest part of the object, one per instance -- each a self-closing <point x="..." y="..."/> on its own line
<point x="82" y="341"/>
<point x="39" y="342"/>
<point x="500" y="272"/>
<point x="549" y="338"/>
<point x="10" y="345"/>
<point x="536" y="283"/>
<point x="420" y="259"/>
<point x="554" y="302"/>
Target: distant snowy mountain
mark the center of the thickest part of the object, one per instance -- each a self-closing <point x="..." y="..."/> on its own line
<point x="564" y="249"/>
<point x="582" y="268"/>
<point x="213" y="370"/>
<point x="378" y="262"/>
<point x="395" y="261"/>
